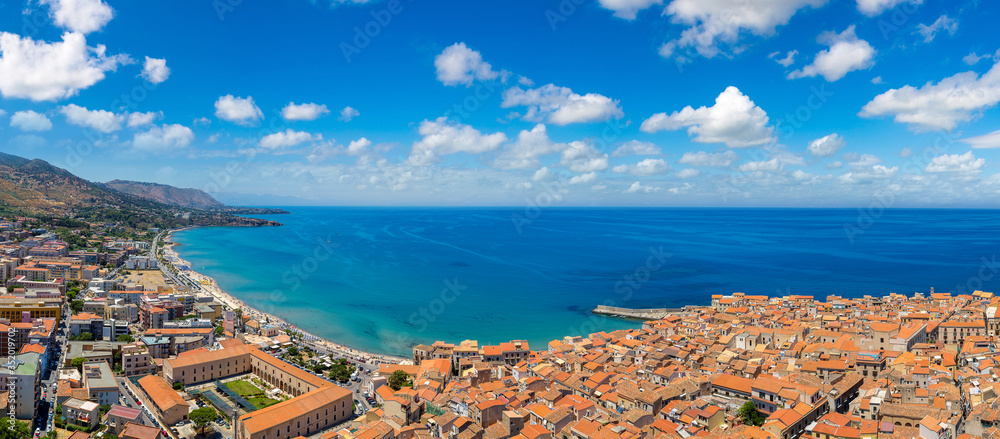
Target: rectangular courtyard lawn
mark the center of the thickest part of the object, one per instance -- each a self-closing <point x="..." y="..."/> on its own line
<point x="244" y="388"/>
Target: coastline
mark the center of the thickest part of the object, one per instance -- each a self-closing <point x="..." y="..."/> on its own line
<point x="210" y="286"/>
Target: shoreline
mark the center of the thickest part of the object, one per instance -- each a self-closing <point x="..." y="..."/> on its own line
<point x="208" y="285"/>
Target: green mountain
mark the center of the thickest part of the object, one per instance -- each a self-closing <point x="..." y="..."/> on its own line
<point x="37" y="188"/>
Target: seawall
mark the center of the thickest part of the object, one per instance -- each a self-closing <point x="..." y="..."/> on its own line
<point x="640" y="314"/>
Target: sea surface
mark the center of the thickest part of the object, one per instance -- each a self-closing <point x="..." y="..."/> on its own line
<point x="384" y="279"/>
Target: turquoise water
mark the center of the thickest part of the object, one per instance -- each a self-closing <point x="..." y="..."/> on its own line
<point x="383" y="279"/>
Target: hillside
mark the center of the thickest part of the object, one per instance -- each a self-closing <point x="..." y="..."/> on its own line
<point x="161" y="193"/>
<point x="36" y="188"/>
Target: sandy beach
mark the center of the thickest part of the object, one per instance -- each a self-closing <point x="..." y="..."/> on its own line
<point x="211" y="287"/>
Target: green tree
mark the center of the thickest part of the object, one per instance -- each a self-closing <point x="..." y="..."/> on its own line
<point x="398" y="380"/>
<point x="293" y="351"/>
<point x="341" y="372"/>
<point x="78" y="363"/>
<point x="83" y="336"/>
<point x="219" y="330"/>
<point x="76" y="306"/>
<point x="179" y="386"/>
<point x="19" y="430"/>
<point x="126" y="338"/>
<point x="104" y="408"/>
<point x="202" y="417"/>
<point x="749" y="414"/>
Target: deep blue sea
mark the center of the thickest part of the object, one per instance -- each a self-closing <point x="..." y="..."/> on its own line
<point x="383" y="279"/>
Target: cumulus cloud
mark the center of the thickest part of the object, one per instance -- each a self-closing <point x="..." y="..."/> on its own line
<point x="872" y="8"/>
<point x="348" y="113"/>
<point x="582" y="157"/>
<point x="43" y="71"/>
<point x="560" y="106"/>
<point x="241" y="111"/>
<point x="716" y="26"/>
<point x="155" y="70"/>
<point x="358" y="147"/>
<point x="636" y="147"/>
<point x="524" y="153"/>
<point x="83" y="16"/>
<point x="287" y="138"/>
<point x="846" y="54"/>
<point x="627" y="9"/>
<point x="639" y="188"/>
<point x="964" y="163"/>
<point x="826" y="146"/>
<point x="441" y="137"/>
<point x="943" y="23"/>
<point x="140" y="119"/>
<point x="310" y="111"/>
<point x="163" y="138"/>
<point x="688" y="173"/>
<point x="734" y="120"/>
<point x="702" y="158"/>
<point x="644" y="168"/>
<point x="958" y="98"/>
<point x="973" y="59"/>
<point x="30" y="121"/>
<point x="584" y="178"/>
<point x="100" y="120"/>
<point x="460" y="65"/>
<point x="543" y="174"/>
<point x="991" y="140"/>
<point x="772" y="165"/>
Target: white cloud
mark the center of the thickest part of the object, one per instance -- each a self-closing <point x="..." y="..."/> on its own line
<point x="713" y="25"/>
<point x="877" y="80"/>
<point x="560" y="106"/>
<point x="458" y="64"/>
<point x="543" y="174"/>
<point x="846" y="54"/>
<point x="163" y="138"/>
<point x="310" y="111"/>
<point x="638" y="188"/>
<point x="972" y="58"/>
<point x="702" y="158"/>
<point x="155" y="70"/>
<point x="43" y="71"/>
<point x="358" y="147"/>
<point x="863" y="160"/>
<point x="3" y="113"/>
<point x="733" y="120"/>
<point x="627" y="9"/>
<point x="943" y="23"/>
<point x="287" y="138"/>
<point x="583" y="157"/>
<point x="636" y="147"/>
<point x="644" y="168"/>
<point x="83" y="16"/>
<point x="584" y="178"/>
<point x="441" y="137"/>
<point x="100" y="120"/>
<point x="955" y="99"/>
<point x="788" y="60"/>
<point x="867" y="175"/>
<point x="872" y="8"/>
<point x="203" y="121"/>
<point x="772" y="165"/>
<point x="826" y="146"/>
<point x="688" y="173"/>
<point x="905" y="152"/>
<point x="140" y="119"/>
<point x="965" y="163"/>
<point x="241" y="111"/>
<point x="991" y="140"/>
<point x="526" y="150"/>
<point x="30" y="121"/>
<point x="348" y="113"/>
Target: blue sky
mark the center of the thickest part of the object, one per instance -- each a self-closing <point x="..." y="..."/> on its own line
<point x="571" y="102"/>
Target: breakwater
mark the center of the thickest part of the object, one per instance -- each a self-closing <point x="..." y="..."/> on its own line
<point x="640" y="314"/>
